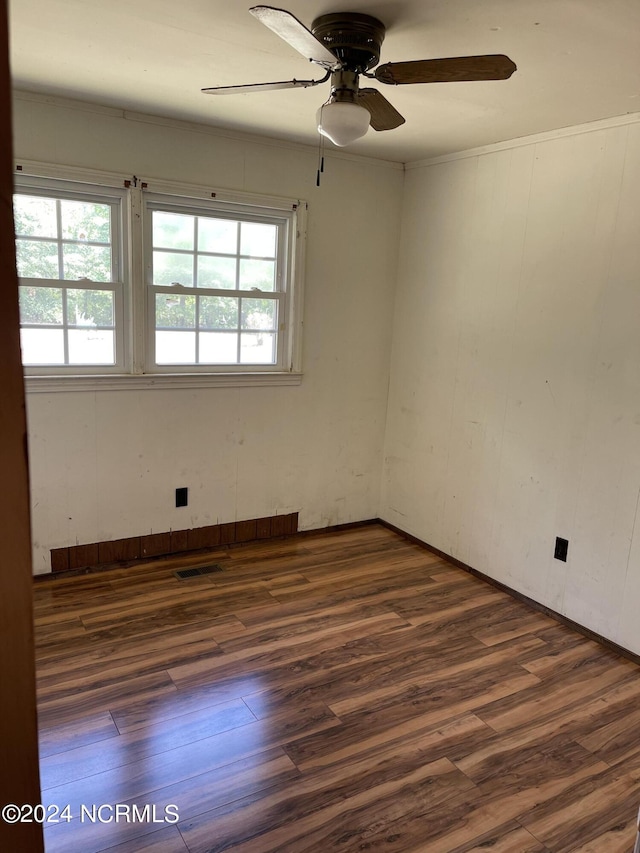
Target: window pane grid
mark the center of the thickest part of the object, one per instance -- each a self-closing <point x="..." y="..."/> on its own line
<point x="64" y="240"/>
<point x="195" y="272"/>
<point x="69" y="334"/>
<point x="252" y="333"/>
<point x="213" y="289"/>
<point x="68" y="260"/>
<point x="65" y="323"/>
<point x="76" y="257"/>
<point x="179" y="290"/>
<point x="197" y="321"/>
<point x="60" y="258"/>
<point x="79" y="284"/>
<point x="244" y="270"/>
<point x="100" y="328"/>
<point x="187" y="252"/>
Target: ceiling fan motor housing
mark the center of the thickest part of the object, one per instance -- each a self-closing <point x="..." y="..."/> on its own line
<point x="353" y="38"/>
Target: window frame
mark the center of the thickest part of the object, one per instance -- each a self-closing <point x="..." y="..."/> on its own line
<point x="281" y="294"/>
<point x="116" y="198"/>
<point x="134" y="371"/>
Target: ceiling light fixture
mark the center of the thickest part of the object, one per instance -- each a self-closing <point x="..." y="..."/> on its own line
<point x="343" y="121"/>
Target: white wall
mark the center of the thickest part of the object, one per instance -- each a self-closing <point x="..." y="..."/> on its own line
<point x="104" y="465"/>
<point x="514" y="409"/>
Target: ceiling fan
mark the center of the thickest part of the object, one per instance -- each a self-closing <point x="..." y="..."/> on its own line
<point x="347" y="46"/>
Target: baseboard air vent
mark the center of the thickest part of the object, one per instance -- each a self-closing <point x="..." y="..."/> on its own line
<point x="199" y="570"/>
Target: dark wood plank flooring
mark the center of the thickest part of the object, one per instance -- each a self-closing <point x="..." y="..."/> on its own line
<point x="345" y="691"/>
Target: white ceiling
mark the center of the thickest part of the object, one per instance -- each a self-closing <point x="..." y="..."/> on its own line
<point x="578" y="61"/>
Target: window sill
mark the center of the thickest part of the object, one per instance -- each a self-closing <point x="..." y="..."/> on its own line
<point x="130" y="382"/>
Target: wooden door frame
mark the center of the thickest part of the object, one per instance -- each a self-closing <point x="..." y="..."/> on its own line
<point x="19" y="773"/>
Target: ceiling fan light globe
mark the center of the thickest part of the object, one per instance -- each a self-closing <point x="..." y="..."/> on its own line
<point x="343" y="122"/>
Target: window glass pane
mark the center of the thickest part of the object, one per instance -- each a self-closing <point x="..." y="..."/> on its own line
<point x="169" y="268"/>
<point x="259" y="314"/>
<point x="218" y="312"/>
<point x="218" y="348"/>
<point x="172" y="230"/>
<point x="258" y="348"/>
<point x="91" y="346"/>
<point x="260" y="274"/>
<point x="68" y="239"/>
<point x="175" y="347"/>
<point x="41" y="305"/>
<point x="90" y="307"/>
<point x="258" y="240"/>
<point x="92" y="262"/>
<point x="35" y="216"/>
<point x="217" y="235"/>
<point x="174" y="311"/>
<point x="37" y="259"/>
<point x="216" y="272"/>
<point x="86" y="220"/>
<point x="42" y="346"/>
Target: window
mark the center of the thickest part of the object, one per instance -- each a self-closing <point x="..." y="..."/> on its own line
<point x="217" y="286"/>
<point x="134" y="281"/>
<point x="68" y="252"/>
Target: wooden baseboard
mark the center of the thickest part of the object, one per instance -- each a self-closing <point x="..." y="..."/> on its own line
<point x="530" y="602"/>
<point x="79" y="558"/>
<point x="336" y="528"/>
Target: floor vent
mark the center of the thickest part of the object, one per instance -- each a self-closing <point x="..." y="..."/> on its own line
<point x="200" y="570"/>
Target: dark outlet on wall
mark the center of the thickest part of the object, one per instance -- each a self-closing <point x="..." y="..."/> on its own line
<point x="182" y="497"/>
<point x="562" y="546"/>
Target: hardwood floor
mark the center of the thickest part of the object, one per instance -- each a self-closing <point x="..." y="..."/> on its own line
<point x="339" y="692"/>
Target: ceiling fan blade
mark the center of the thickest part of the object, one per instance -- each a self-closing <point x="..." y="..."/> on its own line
<point x="262" y="87"/>
<point x="490" y="67"/>
<point x="384" y="116"/>
<point x="289" y="28"/>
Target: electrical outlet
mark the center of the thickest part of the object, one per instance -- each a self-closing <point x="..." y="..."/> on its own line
<point x="182" y="497"/>
<point x="562" y="546"/>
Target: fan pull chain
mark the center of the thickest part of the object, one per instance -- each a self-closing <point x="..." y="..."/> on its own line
<point x="320" y="154"/>
<point x="320" y="171"/>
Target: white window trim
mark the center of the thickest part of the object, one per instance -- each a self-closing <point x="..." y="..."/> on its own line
<point x="135" y="377"/>
<point x="158" y="381"/>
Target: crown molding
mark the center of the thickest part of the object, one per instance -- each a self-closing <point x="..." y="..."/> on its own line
<point x="522" y="141"/>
